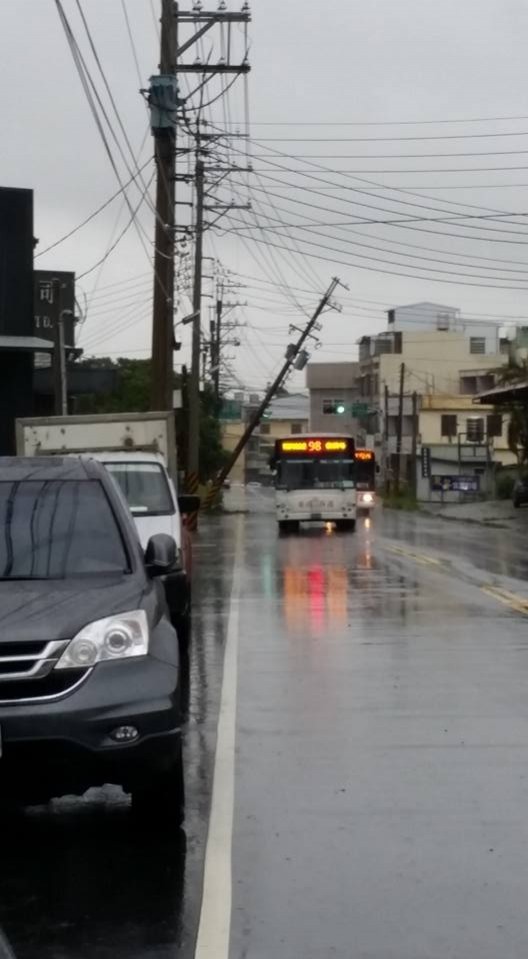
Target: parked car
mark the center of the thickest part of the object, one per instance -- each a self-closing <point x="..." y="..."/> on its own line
<point x="149" y="491"/>
<point x="520" y="492"/>
<point x="89" y="660"/>
<point x="140" y="451"/>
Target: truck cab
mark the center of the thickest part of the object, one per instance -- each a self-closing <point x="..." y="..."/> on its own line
<point x="145" y="482"/>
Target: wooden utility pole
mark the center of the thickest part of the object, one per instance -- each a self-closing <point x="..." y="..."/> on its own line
<point x="397" y="471"/>
<point x="193" y="438"/>
<point x="165" y="155"/>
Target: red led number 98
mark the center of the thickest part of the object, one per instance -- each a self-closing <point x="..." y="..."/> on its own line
<point x="315" y="446"/>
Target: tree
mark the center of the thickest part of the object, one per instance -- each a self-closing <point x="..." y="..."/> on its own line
<point x="516" y="371"/>
<point x="133" y="387"/>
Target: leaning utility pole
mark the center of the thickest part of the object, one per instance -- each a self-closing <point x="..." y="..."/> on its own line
<point x="193" y="437"/>
<point x="291" y="355"/>
<point x="399" y="434"/>
<point x="164" y="103"/>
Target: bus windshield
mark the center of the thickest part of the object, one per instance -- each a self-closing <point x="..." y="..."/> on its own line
<point x="310" y="473"/>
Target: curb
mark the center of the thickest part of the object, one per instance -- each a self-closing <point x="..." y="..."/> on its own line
<point x="494" y="524"/>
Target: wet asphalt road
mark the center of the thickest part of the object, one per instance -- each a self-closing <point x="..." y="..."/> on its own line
<point x="381" y="770"/>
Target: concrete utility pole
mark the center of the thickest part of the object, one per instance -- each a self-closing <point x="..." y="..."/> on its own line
<point x="397" y="471"/>
<point x="414" y="447"/>
<point x="193" y="437"/>
<point x="386" y="457"/>
<point x="165" y="154"/>
<point x="60" y="385"/>
<point x="292" y="354"/>
<point x="216" y="342"/>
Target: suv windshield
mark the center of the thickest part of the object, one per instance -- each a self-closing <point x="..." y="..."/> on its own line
<point x="57" y="529"/>
<point x="144" y="486"/>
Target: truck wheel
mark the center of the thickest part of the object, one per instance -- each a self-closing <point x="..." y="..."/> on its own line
<point x="182" y="623"/>
<point x="161" y="799"/>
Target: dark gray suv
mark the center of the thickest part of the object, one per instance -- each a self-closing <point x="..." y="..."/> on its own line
<point x="89" y="664"/>
<point x="520" y="492"/>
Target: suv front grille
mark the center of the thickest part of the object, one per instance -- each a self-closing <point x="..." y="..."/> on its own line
<point x="57" y="684"/>
<point x="27" y="671"/>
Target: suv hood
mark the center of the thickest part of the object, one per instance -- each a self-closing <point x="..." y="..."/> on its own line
<point x="58" y="609"/>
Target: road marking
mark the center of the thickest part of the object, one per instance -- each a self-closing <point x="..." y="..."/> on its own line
<point x="420" y="558"/>
<point x="518" y="603"/>
<point x="215" y="914"/>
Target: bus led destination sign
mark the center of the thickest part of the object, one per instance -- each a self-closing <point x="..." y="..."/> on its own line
<point x="314" y="446"/>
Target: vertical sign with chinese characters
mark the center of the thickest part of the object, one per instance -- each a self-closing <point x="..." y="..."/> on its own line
<point x="426" y="461"/>
<point x="46" y="304"/>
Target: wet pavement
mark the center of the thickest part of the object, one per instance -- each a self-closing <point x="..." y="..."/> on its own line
<point x="380" y="761"/>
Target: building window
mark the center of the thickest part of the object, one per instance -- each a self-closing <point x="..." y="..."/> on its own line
<point x="296" y="427"/>
<point x="331" y="407"/>
<point x="477" y="344"/>
<point x="449" y="424"/>
<point x="475" y="430"/>
<point x="264" y="427"/>
<point x="494" y="424"/>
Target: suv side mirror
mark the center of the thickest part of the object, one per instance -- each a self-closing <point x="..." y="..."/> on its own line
<point x="160" y="554"/>
<point x="188" y="503"/>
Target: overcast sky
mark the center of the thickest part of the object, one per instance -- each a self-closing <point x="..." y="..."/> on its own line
<point x="363" y="67"/>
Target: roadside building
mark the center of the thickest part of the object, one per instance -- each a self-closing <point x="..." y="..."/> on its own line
<point x="430" y="350"/>
<point x="334" y="397"/>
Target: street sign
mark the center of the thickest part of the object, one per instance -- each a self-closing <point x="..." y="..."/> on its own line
<point x="426" y="461"/>
<point x="456" y="484"/>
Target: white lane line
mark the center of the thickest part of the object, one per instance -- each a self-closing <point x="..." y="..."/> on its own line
<point x="215" y="915"/>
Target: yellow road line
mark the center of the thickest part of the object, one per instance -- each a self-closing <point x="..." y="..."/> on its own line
<point x="420" y="558"/>
<point x="518" y="603"/>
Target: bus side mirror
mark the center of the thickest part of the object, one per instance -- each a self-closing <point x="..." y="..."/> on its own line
<point x="378" y="468"/>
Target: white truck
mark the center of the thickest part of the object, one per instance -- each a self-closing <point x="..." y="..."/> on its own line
<point x="139" y="451"/>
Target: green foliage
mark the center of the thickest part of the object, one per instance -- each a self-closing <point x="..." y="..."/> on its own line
<point x="505" y="484"/>
<point x="516" y="371"/>
<point x="133" y="388"/>
<point x="212" y="455"/>
<point x="403" y="500"/>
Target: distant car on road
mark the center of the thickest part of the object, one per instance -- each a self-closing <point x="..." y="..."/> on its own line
<point x="89" y="661"/>
<point x="520" y="492"/>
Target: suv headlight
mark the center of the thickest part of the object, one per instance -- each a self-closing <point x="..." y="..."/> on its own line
<point x="117" y="637"/>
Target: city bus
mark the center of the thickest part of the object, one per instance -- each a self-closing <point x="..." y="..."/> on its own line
<point x="315" y="480"/>
<point x="365" y="479"/>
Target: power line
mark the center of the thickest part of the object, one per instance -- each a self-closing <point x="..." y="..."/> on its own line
<point x="125" y="229"/>
<point x="384" y="270"/>
<point x="94" y="214"/>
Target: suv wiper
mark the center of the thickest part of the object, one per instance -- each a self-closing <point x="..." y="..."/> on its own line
<point x="23" y="579"/>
